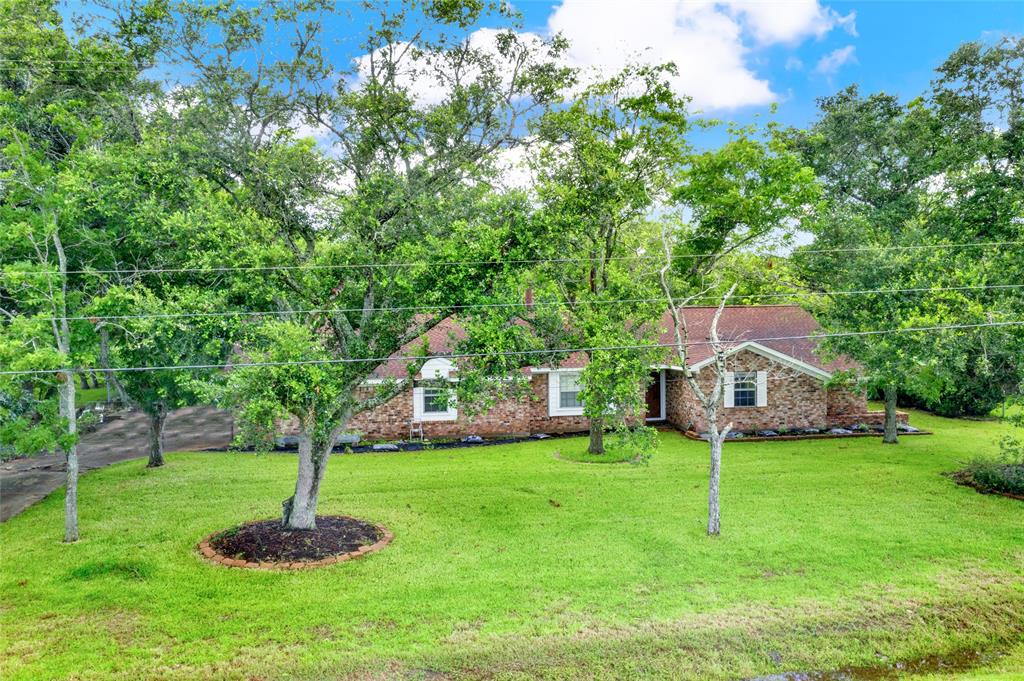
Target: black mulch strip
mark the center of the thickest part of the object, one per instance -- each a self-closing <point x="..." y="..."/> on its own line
<point x="267" y="541"/>
<point x="414" y="446"/>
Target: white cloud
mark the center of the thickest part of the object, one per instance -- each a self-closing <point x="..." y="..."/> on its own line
<point x="790" y="21"/>
<point x="709" y="42"/>
<point x="834" y="60"/>
<point x="794" y="64"/>
<point x="704" y="42"/>
<point x="513" y="168"/>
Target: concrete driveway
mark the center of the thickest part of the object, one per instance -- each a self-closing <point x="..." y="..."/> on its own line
<point x="23" y="482"/>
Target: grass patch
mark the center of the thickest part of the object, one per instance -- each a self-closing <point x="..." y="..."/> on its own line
<point x="125" y="569"/>
<point x="508" y="563"/>
<point x="577" y="451"/>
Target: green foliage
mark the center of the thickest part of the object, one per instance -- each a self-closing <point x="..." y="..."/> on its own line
<point x="298" y="382"/>
<point x="930" y="174"/>
<point x="175" y="329"/>
<point x="602" y="164"/>
<point x="753" y="188"/>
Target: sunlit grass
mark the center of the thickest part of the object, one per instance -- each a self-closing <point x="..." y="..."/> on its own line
<point x="510" y="562"/>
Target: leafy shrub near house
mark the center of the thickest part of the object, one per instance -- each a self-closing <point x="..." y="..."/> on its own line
<point x="1003" y="473"/>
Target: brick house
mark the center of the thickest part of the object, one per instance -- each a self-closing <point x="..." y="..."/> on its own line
<point x="775" y="379"/>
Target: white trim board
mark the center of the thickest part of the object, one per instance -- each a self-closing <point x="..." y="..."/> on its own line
<point x="764" y="351"/>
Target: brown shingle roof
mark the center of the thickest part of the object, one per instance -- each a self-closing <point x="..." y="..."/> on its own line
<point x="742" y="323"/>
<point x="737" y="325"/>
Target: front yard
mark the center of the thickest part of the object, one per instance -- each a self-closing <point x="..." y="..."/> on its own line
<point x="510" y="562"/>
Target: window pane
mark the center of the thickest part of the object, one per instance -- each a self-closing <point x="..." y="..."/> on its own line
<point x="433" y="402"/>
<point x="744" y="391"/>
<point x="569" y="391"/>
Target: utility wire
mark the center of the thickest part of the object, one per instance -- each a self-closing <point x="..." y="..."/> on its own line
<point x="539" y="303"/>
<point x="510" y="353"/>
<point x="520" y="261"/>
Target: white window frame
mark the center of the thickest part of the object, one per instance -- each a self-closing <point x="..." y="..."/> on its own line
<point x="436" y="368"/>
<point x="420" y="413"/>
<point x="760" y="389"/>
<point x="555" y="407"/>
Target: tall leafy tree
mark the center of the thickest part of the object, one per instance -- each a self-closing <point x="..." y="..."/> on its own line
<point x="603" y="163"/>
<point x="185" y="326"/>
<point x="978" y="95"/>
<point x="413" y="129"/>
<point x="874" y="156"/>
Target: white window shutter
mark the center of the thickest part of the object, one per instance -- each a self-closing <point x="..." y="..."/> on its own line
<point x="417" y="404"/>
<point x="553" y="396"/>
<point x="729" y="386"/>
<point x="762" y="388"/>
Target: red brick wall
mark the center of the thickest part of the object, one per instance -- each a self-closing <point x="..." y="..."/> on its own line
<point x="795" y="400"/>
<point x="843" y="403"/>
<point x="391" y="420"/>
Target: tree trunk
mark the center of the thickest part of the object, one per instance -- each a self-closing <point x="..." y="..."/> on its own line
<point x="890" y="415"/>
<point x="299" y="510"/>
<point x="109" y="377"/>
<point x="67" y="412"/>
<point x="596" y="436"/>
<point x="156" y="438"/>
<point x="715" y="439"/>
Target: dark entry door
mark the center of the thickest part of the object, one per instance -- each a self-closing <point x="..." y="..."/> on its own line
<point x="654" y="396"/>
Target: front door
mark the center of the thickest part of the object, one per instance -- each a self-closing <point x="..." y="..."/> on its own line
<point x="655" y="408"/>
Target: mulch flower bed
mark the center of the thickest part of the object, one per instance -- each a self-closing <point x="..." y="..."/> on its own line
<point x="265" y="544"/>
<point x="965" y="479"/>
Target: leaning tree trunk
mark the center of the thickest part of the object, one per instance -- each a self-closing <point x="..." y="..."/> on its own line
<point x="715" y="439"/>
<point x="156" y="438"/>
<point x="299" y="510"/>
<point x="891" y="431"/>
<point x="596" y="436"/>
<point x="67" y="413"/>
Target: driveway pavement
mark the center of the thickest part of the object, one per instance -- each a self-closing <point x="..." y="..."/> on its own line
<point x="23" y="482"/>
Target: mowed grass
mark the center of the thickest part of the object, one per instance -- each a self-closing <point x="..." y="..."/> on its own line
<point x="510" y="563"/>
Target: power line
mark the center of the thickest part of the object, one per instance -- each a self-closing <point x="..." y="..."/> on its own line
<point x="518" y="261"/>
<point x="511" y="353"/>
<point x="524" y="304"/>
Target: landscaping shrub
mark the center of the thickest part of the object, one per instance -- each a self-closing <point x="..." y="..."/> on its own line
<point x="1003" y="473"/>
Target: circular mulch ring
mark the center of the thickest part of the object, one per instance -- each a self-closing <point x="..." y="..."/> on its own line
<point x="264" y="544"/>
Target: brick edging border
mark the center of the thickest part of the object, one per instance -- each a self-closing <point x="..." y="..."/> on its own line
<point x="211" y="555"/>
<point x="691" y="435"/>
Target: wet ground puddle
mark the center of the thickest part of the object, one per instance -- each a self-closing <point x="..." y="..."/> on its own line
<point x="929" y="664"/>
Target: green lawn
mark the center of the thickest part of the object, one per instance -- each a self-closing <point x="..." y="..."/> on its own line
<point x="510" y="563"/>
<point x="84" y="396"/>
